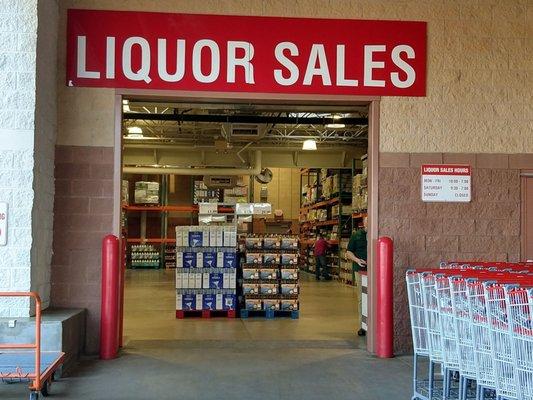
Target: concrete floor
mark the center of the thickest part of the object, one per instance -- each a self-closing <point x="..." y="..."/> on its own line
<point x="315" y="357"/>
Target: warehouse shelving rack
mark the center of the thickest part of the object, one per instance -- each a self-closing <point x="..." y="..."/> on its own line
<point x="339" y="226"/>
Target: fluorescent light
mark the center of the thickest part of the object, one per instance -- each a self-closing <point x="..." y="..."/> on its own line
<point x="125" y="102"/>
<point x="134" y="132"/>
<point x="134" y="129"/>
<point x="337" y="116"/>
<point x="335" y="126"/>
<point x="134" y="136"/>
<point x="309" y="144"/>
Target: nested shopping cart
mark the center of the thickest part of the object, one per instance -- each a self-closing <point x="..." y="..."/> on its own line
<point x="503" y="352"/>
<point x="421" y="384"/>
<point x="520" y="313"/>
<point x="26" y="361"/>
<point x="464" y="334"/>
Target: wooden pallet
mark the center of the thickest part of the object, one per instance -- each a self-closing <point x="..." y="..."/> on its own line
<point x="270" y="314"/>
<point x="181" y="314"/>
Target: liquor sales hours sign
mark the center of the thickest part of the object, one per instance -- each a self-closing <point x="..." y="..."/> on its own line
<point x="224" y="53"/>
<point x="446" y="183"/>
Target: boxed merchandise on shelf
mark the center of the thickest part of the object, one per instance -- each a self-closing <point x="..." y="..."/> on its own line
<point x="146" y="192"/>
<point x="202" y="194"/>
<point x="144" y="256"/>
<point x="125" y="192"/>
<point x="360" y="189"/>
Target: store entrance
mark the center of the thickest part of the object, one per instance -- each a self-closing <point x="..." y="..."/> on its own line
<point x="222" y="209"/>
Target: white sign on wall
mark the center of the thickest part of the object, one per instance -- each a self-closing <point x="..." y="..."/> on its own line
<point x="446" y="183"/>
<point x="3" y="224"/>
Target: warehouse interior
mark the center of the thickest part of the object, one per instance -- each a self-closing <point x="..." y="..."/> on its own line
<point x="279" y="175"/>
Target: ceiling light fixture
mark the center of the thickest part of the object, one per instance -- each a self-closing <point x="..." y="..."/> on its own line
<point x="334" y="124"/>
<point x="134" y="132"/>
<point x="309" y="144"/>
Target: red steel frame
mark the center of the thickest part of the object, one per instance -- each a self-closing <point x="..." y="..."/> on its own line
<point x="37" y="379"/>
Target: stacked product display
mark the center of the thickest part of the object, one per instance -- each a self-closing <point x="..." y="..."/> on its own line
<point x="238" y="194"/>
<point x="346" y="268"/>
<point x="360" y="189"/>
<point x="144" y="256"/>
<point x="146" y="192"/>
<point x="170" y="256"/>
<point x="270" y="276"/>
<point x="202" y="194"/>
<point x="206" y="265"/>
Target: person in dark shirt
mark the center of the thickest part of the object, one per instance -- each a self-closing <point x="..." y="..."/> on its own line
<point x="357" y="253"/>
<point x="320" y="248"/>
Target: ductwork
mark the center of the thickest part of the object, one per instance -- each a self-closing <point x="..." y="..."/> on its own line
<point x="148" y="170"/>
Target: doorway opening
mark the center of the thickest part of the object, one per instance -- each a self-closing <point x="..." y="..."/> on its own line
<point x="276" y="174"/>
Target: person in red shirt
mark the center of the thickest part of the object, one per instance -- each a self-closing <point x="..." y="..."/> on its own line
<point x="320" y="248"/>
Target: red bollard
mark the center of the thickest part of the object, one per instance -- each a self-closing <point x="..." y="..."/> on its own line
<point x="121" y="291"/>
<point x="110" y="298"/>
<point x="384" y="312"/>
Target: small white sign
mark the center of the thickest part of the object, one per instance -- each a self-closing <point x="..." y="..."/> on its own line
<point x="446" y="183"/>
<point x="3" y="224"/>
<point x="208" y="208"/>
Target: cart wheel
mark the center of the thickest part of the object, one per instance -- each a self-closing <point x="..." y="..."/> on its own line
<point x="34" y="395"/>
<point x="45" y="390"/>
<point x="361" y="332"/>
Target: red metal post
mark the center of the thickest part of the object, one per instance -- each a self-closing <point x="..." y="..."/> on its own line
<point x="384" y="312"/>
<point x="121" y="291"/>
<point x="110" y="298"/>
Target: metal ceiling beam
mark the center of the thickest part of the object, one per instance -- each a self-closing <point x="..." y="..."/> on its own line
<point x="253" y="119"/>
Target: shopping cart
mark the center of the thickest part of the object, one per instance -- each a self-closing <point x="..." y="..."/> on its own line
<point x="26" y="361"/>
<point x="503" y="352"/>
<point x="448" y="332"/>
<point x="520" y="312"/>
<point x="463" y="331"/>
<point x="421" y="385"/>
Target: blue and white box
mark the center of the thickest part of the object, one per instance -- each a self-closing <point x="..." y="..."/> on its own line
<point x="189" y="259"/>
<point x="228" y="301"/>
<point x="188" y="301"/>
<point x="209" y="302"/>
<point x="199" y="259"/>
<point x="179" y="259"/>
<point x="213" y="236"/>
<point x="230" y="260"/>
<point x="216" y="280"/>
<point x="210" y="259"/>
<point x="196" y="239"/>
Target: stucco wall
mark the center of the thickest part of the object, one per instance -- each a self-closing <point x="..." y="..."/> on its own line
<point x="480" y="71"/>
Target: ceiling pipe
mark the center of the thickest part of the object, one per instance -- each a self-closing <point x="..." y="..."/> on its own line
<point x="144" y="146"/>
<point x="148" y="170"/>
<point x="250" y="119"/>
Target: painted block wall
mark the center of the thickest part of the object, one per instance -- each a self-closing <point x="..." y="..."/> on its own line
<point x="18" y="38"/>
<point x="480" y="72"/>
<point x="28" y="123"/>
<point x="487" y="228"/>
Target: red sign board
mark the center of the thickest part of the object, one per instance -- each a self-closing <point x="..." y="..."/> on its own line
<point x="142" y="50"/>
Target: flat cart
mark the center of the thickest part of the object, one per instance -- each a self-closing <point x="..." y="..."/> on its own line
<point x="26" y="361"/>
